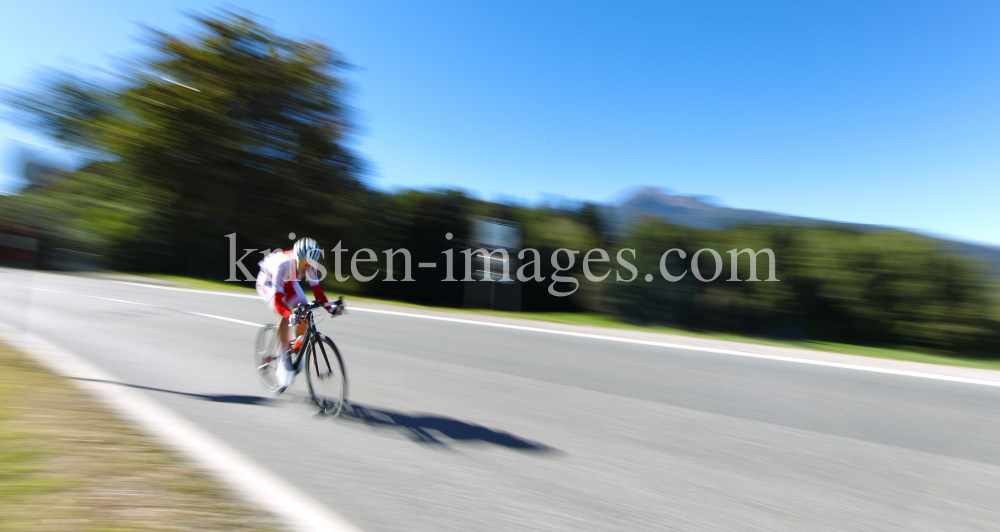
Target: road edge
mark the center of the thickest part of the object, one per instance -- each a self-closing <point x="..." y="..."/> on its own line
<point x="252" y="482"/>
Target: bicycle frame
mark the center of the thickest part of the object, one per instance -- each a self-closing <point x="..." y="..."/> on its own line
<point x="328" y="366"/>
<point x="305" y="312"/>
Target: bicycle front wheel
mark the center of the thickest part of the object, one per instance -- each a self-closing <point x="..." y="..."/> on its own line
<point x="325" y="375"/>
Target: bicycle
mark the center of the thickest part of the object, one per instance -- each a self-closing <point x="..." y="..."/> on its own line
<point x="318" y="356"/>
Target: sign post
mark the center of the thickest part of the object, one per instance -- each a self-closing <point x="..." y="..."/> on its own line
<point x="491" y="288"/>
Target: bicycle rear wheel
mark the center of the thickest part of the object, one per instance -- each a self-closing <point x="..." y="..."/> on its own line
<point x="266" y="356"/>
<point x="325" y="375"/>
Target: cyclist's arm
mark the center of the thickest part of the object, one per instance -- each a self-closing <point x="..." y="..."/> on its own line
<point x="317" y="290"/>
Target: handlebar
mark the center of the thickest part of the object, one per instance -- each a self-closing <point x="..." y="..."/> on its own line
<point x="337" y="307"/>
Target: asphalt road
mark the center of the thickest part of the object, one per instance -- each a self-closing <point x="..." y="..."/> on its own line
<point x="460" y="427"/>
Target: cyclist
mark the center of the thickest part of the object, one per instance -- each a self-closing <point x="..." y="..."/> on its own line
<point x="277" y="285"/>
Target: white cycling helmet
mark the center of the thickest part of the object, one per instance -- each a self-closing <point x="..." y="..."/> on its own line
<point x="306" y="250"/>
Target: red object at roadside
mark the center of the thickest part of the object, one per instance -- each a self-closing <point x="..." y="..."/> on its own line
<point x="18" y="245"/>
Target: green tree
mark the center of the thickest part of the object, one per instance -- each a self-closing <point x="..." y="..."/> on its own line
<point x="232" y="128"/>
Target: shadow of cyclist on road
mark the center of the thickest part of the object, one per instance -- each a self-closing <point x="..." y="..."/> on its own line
<point x="215" y="398"/>
<point x="433" y="430"/>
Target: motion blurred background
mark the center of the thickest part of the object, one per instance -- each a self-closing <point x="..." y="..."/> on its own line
<point x="572" y="121"/>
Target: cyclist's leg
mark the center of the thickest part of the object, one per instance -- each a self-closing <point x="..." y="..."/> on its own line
<point x="282" y="332"/>
<point x="297" y="298"/>
<point x="283" y="372"/>
<point x="266" y="292"/>
<point x="289" y="362"/>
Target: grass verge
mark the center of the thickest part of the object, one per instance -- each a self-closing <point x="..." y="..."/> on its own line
<point x="68" y="464"/>
<point x="594" y="320"/>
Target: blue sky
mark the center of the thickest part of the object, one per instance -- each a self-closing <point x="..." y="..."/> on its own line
<point x="885" y="113"/>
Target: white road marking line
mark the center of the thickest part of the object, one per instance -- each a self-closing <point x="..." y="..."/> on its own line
<point x="87" y="295"/>
<point x="967" y="380"/>
<point x="259" y="486"/>
<point x="211" y="292"/>
<point x="856" y="367"/>
<point x="213" y="316"/>
<point x="223" y="318"/>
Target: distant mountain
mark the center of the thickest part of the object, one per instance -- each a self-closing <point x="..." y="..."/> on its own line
<point x="702" y="212"/>
<point x="692" y="211"/>
<point x="988" y="255"/>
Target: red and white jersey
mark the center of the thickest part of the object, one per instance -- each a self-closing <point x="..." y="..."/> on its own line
<point x="277" y="273"/>
<point x="277" y="281"/>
